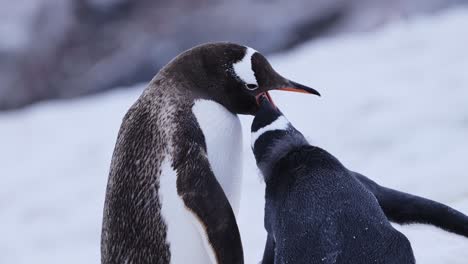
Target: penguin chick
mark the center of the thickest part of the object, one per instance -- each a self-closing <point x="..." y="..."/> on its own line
<point x="316" y="211"/>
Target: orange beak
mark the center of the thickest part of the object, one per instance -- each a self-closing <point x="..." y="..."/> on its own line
<point x="298" y="88"/>
<point x="289" y="86"/>
<point x="290" y="89"/>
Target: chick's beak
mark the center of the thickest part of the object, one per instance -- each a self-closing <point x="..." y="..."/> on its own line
<point x="262" y="95"/>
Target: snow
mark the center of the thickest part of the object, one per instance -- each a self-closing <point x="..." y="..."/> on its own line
<point x="394" y="107"/>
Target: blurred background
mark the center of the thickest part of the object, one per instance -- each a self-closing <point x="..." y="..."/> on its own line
<point x="393" y="75"/>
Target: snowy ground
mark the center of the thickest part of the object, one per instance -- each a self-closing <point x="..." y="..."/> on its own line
<point x="394" y="107"/>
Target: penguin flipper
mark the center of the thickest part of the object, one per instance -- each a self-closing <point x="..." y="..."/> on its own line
<point x="205" y="198"/>
<point x="405" y="208"/>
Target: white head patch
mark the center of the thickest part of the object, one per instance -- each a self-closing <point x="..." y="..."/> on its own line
<point x="243" y="68"/>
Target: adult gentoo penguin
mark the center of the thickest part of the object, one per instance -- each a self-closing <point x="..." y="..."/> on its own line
<point x="175" y="174"/>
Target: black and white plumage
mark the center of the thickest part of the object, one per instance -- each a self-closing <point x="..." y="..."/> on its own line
<point x="174" y="181"/>
<point x="274" y="138"/>
<point x="316" y="211"/>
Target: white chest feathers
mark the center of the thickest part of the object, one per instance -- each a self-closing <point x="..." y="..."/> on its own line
<point x="223" y="138"/>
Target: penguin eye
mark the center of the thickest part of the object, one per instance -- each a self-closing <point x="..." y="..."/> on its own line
<point x="251" y="86"/>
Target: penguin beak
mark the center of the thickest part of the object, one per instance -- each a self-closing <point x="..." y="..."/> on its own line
<point x="287" y="85"/>
<point x="298" y="88"/>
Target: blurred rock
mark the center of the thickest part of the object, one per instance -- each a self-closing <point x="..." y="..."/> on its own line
<point x="78" y="47"/>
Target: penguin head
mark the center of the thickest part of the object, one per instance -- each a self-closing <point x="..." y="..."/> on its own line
<point x="273" y="136"/>
<point x="232" y="75"/>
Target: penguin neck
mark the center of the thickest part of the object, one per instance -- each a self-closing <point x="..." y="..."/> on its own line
<point x="222" y="132"/>
<point x="274" y="141"/>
